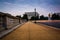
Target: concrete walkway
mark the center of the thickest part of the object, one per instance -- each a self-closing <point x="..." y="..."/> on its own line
<point x="32" y="31"/>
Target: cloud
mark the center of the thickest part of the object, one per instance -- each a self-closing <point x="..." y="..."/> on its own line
<point x="18" y="7"/>
<point x="7" y="3"/>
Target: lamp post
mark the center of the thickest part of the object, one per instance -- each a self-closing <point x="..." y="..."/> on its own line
<point x="35" y="14"/>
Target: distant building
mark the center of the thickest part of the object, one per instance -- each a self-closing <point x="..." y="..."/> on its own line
<point x="7" y="21"/>
<point x="31" y="14"/>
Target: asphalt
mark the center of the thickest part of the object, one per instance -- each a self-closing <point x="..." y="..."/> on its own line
<point x="32" y="31"/>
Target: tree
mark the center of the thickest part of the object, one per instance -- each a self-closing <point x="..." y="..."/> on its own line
<point x="19" y="16"/>
<point x="32" y="18"/>
<point x="45" y="18"/>
<point x="25" y="17"/>
<point x="37" y="17"/>
<point x="55" y="17"/>
<point x="42" y="17"/>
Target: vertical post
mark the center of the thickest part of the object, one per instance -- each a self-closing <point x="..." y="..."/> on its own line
<point x="35" y="14"/>
<point x="49" y="16"/>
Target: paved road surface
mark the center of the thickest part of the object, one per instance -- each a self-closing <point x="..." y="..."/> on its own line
<point x="31" y="31"/>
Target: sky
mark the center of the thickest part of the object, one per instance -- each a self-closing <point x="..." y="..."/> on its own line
<point x="19" y="7"/>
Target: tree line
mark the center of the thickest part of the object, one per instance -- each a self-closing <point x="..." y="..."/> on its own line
<point x="42" y="17"/>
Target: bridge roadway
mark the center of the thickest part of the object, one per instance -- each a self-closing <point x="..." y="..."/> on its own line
<point x="32" y="31"/>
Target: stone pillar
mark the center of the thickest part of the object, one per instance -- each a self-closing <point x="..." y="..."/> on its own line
<point x="4" y="22"/>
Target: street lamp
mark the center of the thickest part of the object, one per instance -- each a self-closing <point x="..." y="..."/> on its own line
<point x="35" y="14"/>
